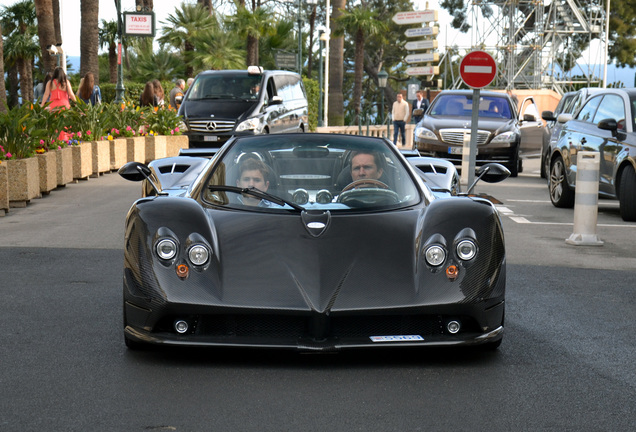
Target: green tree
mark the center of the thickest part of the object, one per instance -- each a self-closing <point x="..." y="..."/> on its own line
<point x="189" y="23"/>
<point x="623" y="33"/>
<point x="108" y="38"/>
<point x="360" y="22"/>
<point x="251" y="26"/>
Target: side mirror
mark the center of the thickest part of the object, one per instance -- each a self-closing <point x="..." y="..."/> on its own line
<point x="490" y="173"/>
<point x="275" y="100"/>
<point x="565" y="117"/>
<point x="608" y="124"/>
<point x="529" y="118"/>
<point x="134" y="171"/>
<point x="548" y="116"/>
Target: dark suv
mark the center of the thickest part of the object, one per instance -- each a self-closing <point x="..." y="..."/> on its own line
<point x="441" y="132"/>
<point x="221" y="104"/>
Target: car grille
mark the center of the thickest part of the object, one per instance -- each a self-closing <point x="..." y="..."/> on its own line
<point x="211" y="126"/>
<point x="456" y="136"/>
<point x="299" y="326"/>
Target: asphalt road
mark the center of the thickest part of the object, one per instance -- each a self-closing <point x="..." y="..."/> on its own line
<point x="566" y="363"/>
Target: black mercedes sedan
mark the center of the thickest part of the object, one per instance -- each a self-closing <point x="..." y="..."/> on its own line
<point x="441" y="132"/>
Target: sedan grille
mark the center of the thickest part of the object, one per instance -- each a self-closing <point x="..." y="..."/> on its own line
<point x="211" y="126"/>
<point x="456" y="136"/>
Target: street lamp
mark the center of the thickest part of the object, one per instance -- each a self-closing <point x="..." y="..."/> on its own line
<point x="321" y="40"/>
<point x="382" y="79"/>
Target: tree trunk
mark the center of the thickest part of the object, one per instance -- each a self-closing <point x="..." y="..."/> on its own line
<point x="358" y="74"/>
<point x="46" y="32"/>
<point x="252" y="50"/>
<point x="56" y="21"/>
<point x="206" y="4"/>
<point x="26" y="79"/>
<point x="336" y="69"/>
<point x="310" y="51"/>
<point x="12" y="80"/>
<point x="112" y="62"/>
<point x="3" y="89"/>
<point x="89" y="38"/>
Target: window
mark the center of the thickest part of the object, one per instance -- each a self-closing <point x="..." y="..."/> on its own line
<point x="589" y="109"/>
<point x="611" y="107"/>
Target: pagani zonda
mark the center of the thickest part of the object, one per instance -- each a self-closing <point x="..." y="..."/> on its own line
<point x="311" y="242"/>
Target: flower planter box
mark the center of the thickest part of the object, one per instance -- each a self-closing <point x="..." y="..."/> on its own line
<point x="155" y="147"/>
<point x="118" y="153"/>
<point x="48" y="171"/>
<point x="64" y="162"/>
<point x="174" y="143"/>
<point x="83" y="160"/>
<point x="136" y="148"/>
<point x="4" y="189"/>
<point x="24" y="181"/>
<point x="101" y="157"/>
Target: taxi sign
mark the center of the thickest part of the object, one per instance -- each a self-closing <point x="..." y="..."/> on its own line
<point x="477" y="69"/>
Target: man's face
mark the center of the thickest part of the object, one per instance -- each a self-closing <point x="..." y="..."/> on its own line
<point x="363" y="167"/>
<point x="399" y="97"/>
<point x="419" y="96"/>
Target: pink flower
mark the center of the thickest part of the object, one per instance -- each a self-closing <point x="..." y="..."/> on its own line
<point x="9" y="155"/>
<point x="88" y="132"/>
<point x="41" y="142"/>
<point x="59" y="147"/>
<point x="176" y="129"/>
<point x="128" y="128"/>
<point x="79" y="134"/>
<point x="172" y="132"/>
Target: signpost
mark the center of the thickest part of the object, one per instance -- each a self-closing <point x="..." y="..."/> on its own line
<point x="415" y="17"/>
<point x="477" y="69"/>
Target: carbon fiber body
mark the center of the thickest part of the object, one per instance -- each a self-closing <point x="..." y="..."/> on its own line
<point x="271" y="281"/>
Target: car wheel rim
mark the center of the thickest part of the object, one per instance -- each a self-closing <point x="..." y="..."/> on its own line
<point x="557" y="177"/>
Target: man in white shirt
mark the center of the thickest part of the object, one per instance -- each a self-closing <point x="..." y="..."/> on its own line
<point x="400" y="113"/>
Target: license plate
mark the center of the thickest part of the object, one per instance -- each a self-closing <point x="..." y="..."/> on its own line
<point x="455" y="150"/>
<point x="400" y="338"/>
<point x="210" y="138"/>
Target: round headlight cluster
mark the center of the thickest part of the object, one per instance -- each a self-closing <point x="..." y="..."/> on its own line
<point x="166" y="249"/>
<point x="466" y="250"/>
<point x="198" y="254"/>
<point x="435" y="255"/>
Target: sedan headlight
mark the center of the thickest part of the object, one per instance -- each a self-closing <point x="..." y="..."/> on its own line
<point x="435" y="255"/>
<point x="166" y="248"/>
<point x="251" y="124"/>
<point x="466" y="250"/>
<point x="506" y="137"/>
<point x="198" y="254"/>
<point x="423" y="133"/>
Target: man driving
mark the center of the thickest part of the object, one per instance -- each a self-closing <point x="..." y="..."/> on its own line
<point x="253" y="173"/>
<point x="366" y="165"/>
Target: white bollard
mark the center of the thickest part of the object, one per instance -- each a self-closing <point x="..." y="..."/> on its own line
<point x="586" y="200"/>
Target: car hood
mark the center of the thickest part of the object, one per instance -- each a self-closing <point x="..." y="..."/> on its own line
<point x="263" y="261"/>
<point x="217" y="109"/>
<point x="435" y="123"/>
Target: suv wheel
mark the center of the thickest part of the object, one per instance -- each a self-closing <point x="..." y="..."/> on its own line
<point x="561" y="194"/>
<point x="626" y="196"/>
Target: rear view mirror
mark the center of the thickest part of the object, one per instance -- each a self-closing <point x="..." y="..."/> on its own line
<point x="134" y="171"/>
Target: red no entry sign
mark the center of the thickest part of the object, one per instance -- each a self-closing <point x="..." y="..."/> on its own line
<point x="477" y="69"/>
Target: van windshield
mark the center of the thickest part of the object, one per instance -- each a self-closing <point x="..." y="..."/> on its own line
<point x="241" y="87"/>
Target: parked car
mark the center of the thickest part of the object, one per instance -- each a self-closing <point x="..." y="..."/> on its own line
<point x="441" y="131"/>
<point x="226" y="103"/>
<point x="315" y="257"/>
<point x="569" y="104"/>
<point x="604" y="124"/>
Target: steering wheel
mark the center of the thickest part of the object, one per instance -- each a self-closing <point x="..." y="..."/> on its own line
<point x="367" y="192"/>
<point x="365" y="183"/>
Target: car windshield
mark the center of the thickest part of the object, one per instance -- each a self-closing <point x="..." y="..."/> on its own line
<point x="310" y="172"/>
<point x="462" y="106"/>
<point x="225" y="86"/>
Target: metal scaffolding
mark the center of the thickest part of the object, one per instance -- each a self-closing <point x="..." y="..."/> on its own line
<point x="536" y="42"/>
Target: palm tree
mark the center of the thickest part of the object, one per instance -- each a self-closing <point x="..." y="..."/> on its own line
<point x="251" y="26"/>
<point x="336" y="67"/>
<point x="281" y="38"/>
<point x="108" y="38"/>
<point x="20" y="23"/>
<point x="222" y="50"/>
<point x="46" y="31"/>
<point x="360" y="22"/>
<point x="3" y="89"/>
<point x="190" y="22"/>
<point x="89" y="38"/>
<point x="161" y="65"/>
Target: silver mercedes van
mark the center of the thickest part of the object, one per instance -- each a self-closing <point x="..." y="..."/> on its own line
<point x="222" y="104"/>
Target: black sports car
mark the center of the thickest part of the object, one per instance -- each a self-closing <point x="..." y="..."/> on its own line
<point x="312" y="242"/>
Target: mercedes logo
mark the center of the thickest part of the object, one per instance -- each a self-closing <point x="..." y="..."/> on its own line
<point x="211" y="126"/>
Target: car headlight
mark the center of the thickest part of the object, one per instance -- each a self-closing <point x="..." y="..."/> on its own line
<point x="506" y="137"/>
<point x="198" y="254"/>
<point x="251" y="124"/>
<point x="435" y="255"/>
<point x="183" y="127"/>
<point x="166" y="249"/>
<point x="423" y="133"/>
<point x="466" y="250"/>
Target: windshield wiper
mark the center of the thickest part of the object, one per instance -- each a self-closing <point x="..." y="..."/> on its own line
<point x="257" y="193"/>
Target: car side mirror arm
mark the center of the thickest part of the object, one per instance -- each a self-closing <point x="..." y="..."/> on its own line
<point x="490" y="173"/>
<point x="135" y="171"/>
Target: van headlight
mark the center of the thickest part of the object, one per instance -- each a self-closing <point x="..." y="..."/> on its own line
<point x="251" y="124"/>
<point x="183" y="127"/>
